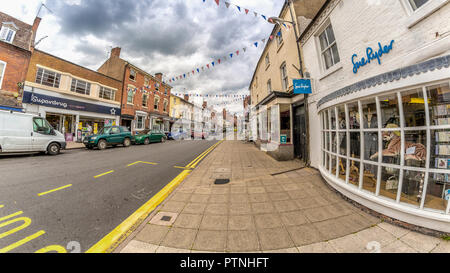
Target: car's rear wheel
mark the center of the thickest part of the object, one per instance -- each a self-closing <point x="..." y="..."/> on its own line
<point x="127" y="142"/>
<point x="147" y="141"/>
<point x="101" y="144"/>
<point x="53" y="149"/>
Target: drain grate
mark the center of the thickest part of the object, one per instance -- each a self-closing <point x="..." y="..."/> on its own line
<point x="221" y="181"/>
<point x="166" y="218"/>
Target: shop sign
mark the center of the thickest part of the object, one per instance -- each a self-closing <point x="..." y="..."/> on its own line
<point x="447" y="195"/>
<point x="371" y="55"/>
<point x="302" y="86"/>
<point x="49" y="101"/>
<point x="283" y="139"/>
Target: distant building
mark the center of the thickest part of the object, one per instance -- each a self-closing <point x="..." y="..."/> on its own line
<point x="145" y="98"/>
<point x="181" y="112"/>
<point x="75" y="100"/>
<point x="16" y="45"/>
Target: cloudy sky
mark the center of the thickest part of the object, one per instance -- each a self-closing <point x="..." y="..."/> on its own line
<point x="168" y="36"/>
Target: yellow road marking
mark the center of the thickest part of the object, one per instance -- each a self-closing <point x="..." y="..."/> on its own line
<point x="1" y="206"/>
<point x="184" y="168"/>
<point x="122" y="231"/>
<point x="50" y="191"/>
<point x="21" y="242"/>
<point x="142" y="162"/>
<point x="56" y="248"/>
<point x="203" y="154"/>
<point x="11" y="216"/>
<point x="100" y="175"/>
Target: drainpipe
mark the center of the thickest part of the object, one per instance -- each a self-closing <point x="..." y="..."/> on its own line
<point x="307" y="159"/>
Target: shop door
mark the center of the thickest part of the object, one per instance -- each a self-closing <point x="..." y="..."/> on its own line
<point x="300" y="132"/>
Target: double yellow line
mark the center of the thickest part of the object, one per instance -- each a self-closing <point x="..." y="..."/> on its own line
<point x="199" y="158"/>
<point x="122" y="231"/>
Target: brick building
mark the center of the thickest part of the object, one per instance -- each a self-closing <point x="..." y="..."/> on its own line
<point x="16" y="46"/>
<point x="145" y="98"/>
<point x="77" y="101"/>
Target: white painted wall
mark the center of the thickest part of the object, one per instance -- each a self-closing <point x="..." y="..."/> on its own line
<point x="359" y="24"/>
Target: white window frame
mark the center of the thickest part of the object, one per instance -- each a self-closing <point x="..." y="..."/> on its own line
<point x="143" y="122"/>
<point x="413" y="5"/>
<point x="57" y="75"/>
<point x="165" y="105"/>
<point x="156" y="104"/>
<point x="326" y="116"/>
<point x="279" y="38"/>
<point x="267" y="59"/>
<point x="133" y="71"/>
<point x="4" y="32"/>
<point x="323" y="63"/>
<point x="416" y="16"/>
<point x="107" y="89"/>
<point x="145" y="98"/>
<point x="284" y="78"/>
<point x="128" y="95"/>
<point x="269" y="86"/>
<point x="87" y="90"/>
<point x="3" y="73"/>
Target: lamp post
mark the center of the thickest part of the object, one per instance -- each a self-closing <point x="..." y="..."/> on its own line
<point x="279" y="21"/>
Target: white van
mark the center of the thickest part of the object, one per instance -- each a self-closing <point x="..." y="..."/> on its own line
<point x="21" y="132"/>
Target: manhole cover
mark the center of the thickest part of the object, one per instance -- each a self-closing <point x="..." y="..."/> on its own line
<point x="166" y="218"/>
<point x="221" y="181"/>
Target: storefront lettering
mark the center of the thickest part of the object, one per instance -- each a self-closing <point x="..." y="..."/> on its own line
<point x="371" y="55"/>
<point x="35" y="99"/>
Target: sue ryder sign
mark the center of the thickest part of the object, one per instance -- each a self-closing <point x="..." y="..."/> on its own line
<point x="371" y="55"/>
<point x="302" y="86"/>
<point x="49" y="101"/>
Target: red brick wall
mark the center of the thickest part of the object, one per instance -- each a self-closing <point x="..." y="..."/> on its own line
<point x="17" y="61"/>
<point x="137" y="102"/>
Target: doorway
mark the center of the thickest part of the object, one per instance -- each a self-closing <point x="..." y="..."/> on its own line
<point x="300" y="144"/>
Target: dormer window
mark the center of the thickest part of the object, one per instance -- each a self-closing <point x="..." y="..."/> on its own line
<point x="8" y="32"/>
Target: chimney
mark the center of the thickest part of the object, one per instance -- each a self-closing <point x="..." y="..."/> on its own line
<point x="159" y="76"/>
<point x="115" y="52"/>
<point x="186" y="97"/>
<point x="34" y="28"/>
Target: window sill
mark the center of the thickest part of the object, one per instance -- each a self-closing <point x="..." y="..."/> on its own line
<point x="425" y="11"/>
<point x="330" y="71"/>
<point x="280" y="46"/>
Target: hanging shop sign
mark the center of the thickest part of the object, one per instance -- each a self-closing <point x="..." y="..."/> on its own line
<point x="371" y="55"/>
<point x="447" y="195"/>
<point x="50" y="101"/>
<point x="302" y="86"/>
<point x="283" y="139"/>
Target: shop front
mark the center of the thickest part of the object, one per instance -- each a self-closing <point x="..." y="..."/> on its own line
<point x="74" y="117"/>
<point x="160" y="122"/>
<point x="385" y="143"/>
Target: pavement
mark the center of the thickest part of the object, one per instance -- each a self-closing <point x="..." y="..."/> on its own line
<point x="291" y="212"/>
<point x="75" y="145"/>
<point x="79" y="196"/>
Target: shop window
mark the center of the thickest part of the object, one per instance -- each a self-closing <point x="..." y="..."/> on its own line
<point x="354" y="173"/>
<point x="370" y="176"/>
<point x="342" y="166"/>
<point x="355" y="144"/>
<point x="140" y="122"/>
<point x="285" y="121"/>
<point x="132" y="75"/>
<point x="326" y="121"/>
<point x="328" y="46"/>
<point x="438" y="191"/>
<point x="389" y="111"/>
<point x="342" y="144"/>
<point x="2" y="72"/>
<point x="354" y="117"/>
<point x="144" y="100"/>
<point x="440" y="149"/>
<point x="106" y="93"/>
<point x="439" y="104"/>
<point x="416" y="4"/>
<point x="327" y="141"/>
<point x="412" y="187"/>
<point x="414" y="108"/>
<point x="370" y="117"/>
<point x="333" y="142"/>
<point x="415" y="148"/>
<point x="48" y="78"/>
<point x="333" y="165"/>
<point x="80" y="87"/>
<point x="332" y="114"/>
<point x="371" y="146"/>
<point x="389" y="182"/>
<point x="342" y="124"/>
<point x="327" y="161"/>
<point x="391" y="147"/>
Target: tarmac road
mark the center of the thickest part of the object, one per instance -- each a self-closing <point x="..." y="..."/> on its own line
<point x="74" y="199"/>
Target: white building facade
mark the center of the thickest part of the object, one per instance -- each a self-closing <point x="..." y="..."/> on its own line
<point x="381" y="105"/>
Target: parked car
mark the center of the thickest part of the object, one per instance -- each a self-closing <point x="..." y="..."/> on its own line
<point x="21" y="132"/>
<point x="109" y="136"/>
<point x="147" y="137"/>
<point x="199" y="135"/>
<point x="179" y="135"/>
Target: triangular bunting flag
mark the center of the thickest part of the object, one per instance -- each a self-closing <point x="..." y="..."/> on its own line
<point x="217" y="1"/>
<point x="218" y="61"/>
<point x="256" y="14"/>
<point x="256" y="44"/>
<point x="264" y="17"/>
<point x="245" y="49"/>
<point x="231" y="55"/>
<point x="239" y="8"/>
<point x="246" y="11"/>
<point x="271" y="37"/>
<point x="212" y="63"/>
<point x="263" y="40"/>
<point x="227" y="4"/>
<point x="237" y="52"/>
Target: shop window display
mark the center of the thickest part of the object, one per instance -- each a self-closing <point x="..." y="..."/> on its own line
<point x="343" y="144"/>
<point x="439" y="104"/>
<point x="354" y="173"/>
<point x="355" y="144"/>
<point x="440" y="149"/>
<point x="333" y="142"/>
<point x="389" y="111"/>
<point x="412" y="188"/>
<point x="414" y="108"/>
<point x="415" y="148"/>
<point x="354" y="117"/>
<point x="392" y="145"/>
<point x="438" y="191"/>
<point x="326" y="121"/>
<point x="369" y="182"/>
<point x="342" y="164"/>
<point x="333" y="164"/>
<point x="342" y="124"/>
<point x="327" y="141"/>
<point x="389" y="182"/>
<point x="332" y="119"/>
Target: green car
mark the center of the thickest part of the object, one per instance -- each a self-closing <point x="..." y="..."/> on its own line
<point x="147" y="137"/>
<point x="109" y="136"/>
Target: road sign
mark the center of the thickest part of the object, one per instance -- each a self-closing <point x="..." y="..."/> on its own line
<point x="302" y="86"/>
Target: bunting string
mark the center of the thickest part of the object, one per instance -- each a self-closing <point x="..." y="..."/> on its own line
<point x="242" y="10"/>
